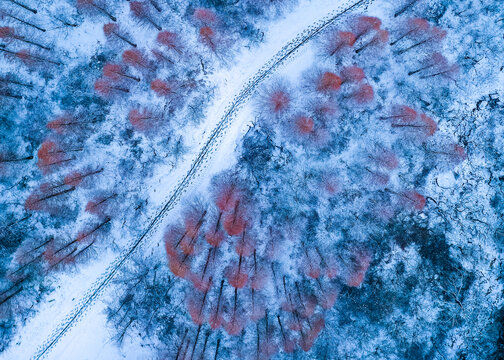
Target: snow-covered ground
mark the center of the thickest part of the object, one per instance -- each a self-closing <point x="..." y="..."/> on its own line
<point x="89" y="338"/>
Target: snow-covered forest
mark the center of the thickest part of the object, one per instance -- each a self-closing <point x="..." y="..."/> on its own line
<point x="252" y="179"/>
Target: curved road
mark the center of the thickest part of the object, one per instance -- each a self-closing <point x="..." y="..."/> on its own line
<point x="196" y="167"/>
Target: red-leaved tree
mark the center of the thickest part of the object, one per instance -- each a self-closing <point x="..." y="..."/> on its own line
<point x="412" y="199"/>
<point x="52" y="156"/>
<point x="95" y="6"/>
<point x="114" y="33"/>
<point x="9" y="34"/>
<point x="67" y="122"/>
<point x="106" y="88"/>
<point x="30" y="58"/>
<point x="404" y="118"/>
<point x="363" y="25"/>
<point x="170" y="40"/>
<point x="47" y="199"/>
<point x="352" y="74"/>
<point x="338" y="42"/>
<point x="142" y="12"/>
<point x="411" y="28"/>
<point x="205" y="16"/>
<point x="100" y="205"/>
<point x="377" y="42"/>
<point x="137" y="59"/>
<point x="432" y="37"/>
<point x="361" y="260"/>
<point x="362" y="95"/>
<point x="116" y="72"/>
<point x="328" y="82"/>
<point x="144" y="120"/>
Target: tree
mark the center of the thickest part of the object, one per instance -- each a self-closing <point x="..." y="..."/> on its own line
<point x="144" y="120"/>
<point x="196" y="306"/>
<point x="413" y="199"/>
<point x="9" y="34"/>
<point x="214" y="235"/>
<point x="235" y="221"/>
<point x="235" y="322"/>
<point x="374" y="177"/>
<point x="68" y="252"/>
<point x="52" y="156"/>
<point x="266" y="346"/>
<point x="363" y="25"/>
<point x="361" y="260"/>
<point x="95" y="6"/>
<point x="23" y="6"/>
<point x="116" y="72"/>
<point x="338" y="42"/>
<point x="330" y="266"/>
<point x="49" y="201"/>
<point x="407" y="119"/>
<point x="8" y="160"/>
<point x="76" y="178"/>
<point x="170" y="40"/>
<point x="412" y="27"/>
<point x="325" y="109"/>
<point x="237" y="274"/>
<point x="378" y="41"/>
<point x="142" y="13"/>
<point x="216" y="318"/>
<point x="162" y="57"/>
<point x="163" y="88"/>
<point x="363" y="95"/>
<point x="29" y="58"/>
<point x="9" y="95"/>
<point x="402" y="113"/>
<point x="205" y="16"/>
<point x="202" y="277"/>
<point x="172" y="238"/>
<point x="260" y="275"/>
<point x="276" y="100"/>
<point x="136" y="59"/>
<point x="179" y="265"/>
<point x="408" y="4"/>
<point x="328" y="295"/>
<point x="330" y="182"/>
<point x="193" y="220"/>
<point x="227" y="194"/>
<point x="352" y="74"/>
<point x="306" y="302"/>
<point x="451" y="153"/>
<point x="100" y="205"/>
<point x="107" y="89"/>
<point x="11" y="79"/>
<point x="383" y="157"/>
<point x="447" y="71"/>
<point x="245" y="245"/>
<point x="114" y="33"/>
<point x="304" y="124"/>
<point x="288" y="343"/>
<point x="311" y="263"/>
<point x="432" y="37"/>
<point x="68" y="122"/>
<point x="328" y="82"/>
<point x="7" y="15"/>
<point x="208" y="36"/>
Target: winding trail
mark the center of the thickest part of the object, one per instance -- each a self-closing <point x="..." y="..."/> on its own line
<point x="197" y="166"/>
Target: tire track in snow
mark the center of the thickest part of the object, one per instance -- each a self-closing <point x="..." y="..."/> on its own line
<point x="196" y="168"/>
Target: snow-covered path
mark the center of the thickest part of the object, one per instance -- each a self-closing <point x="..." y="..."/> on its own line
<point x="252" y="64"/>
